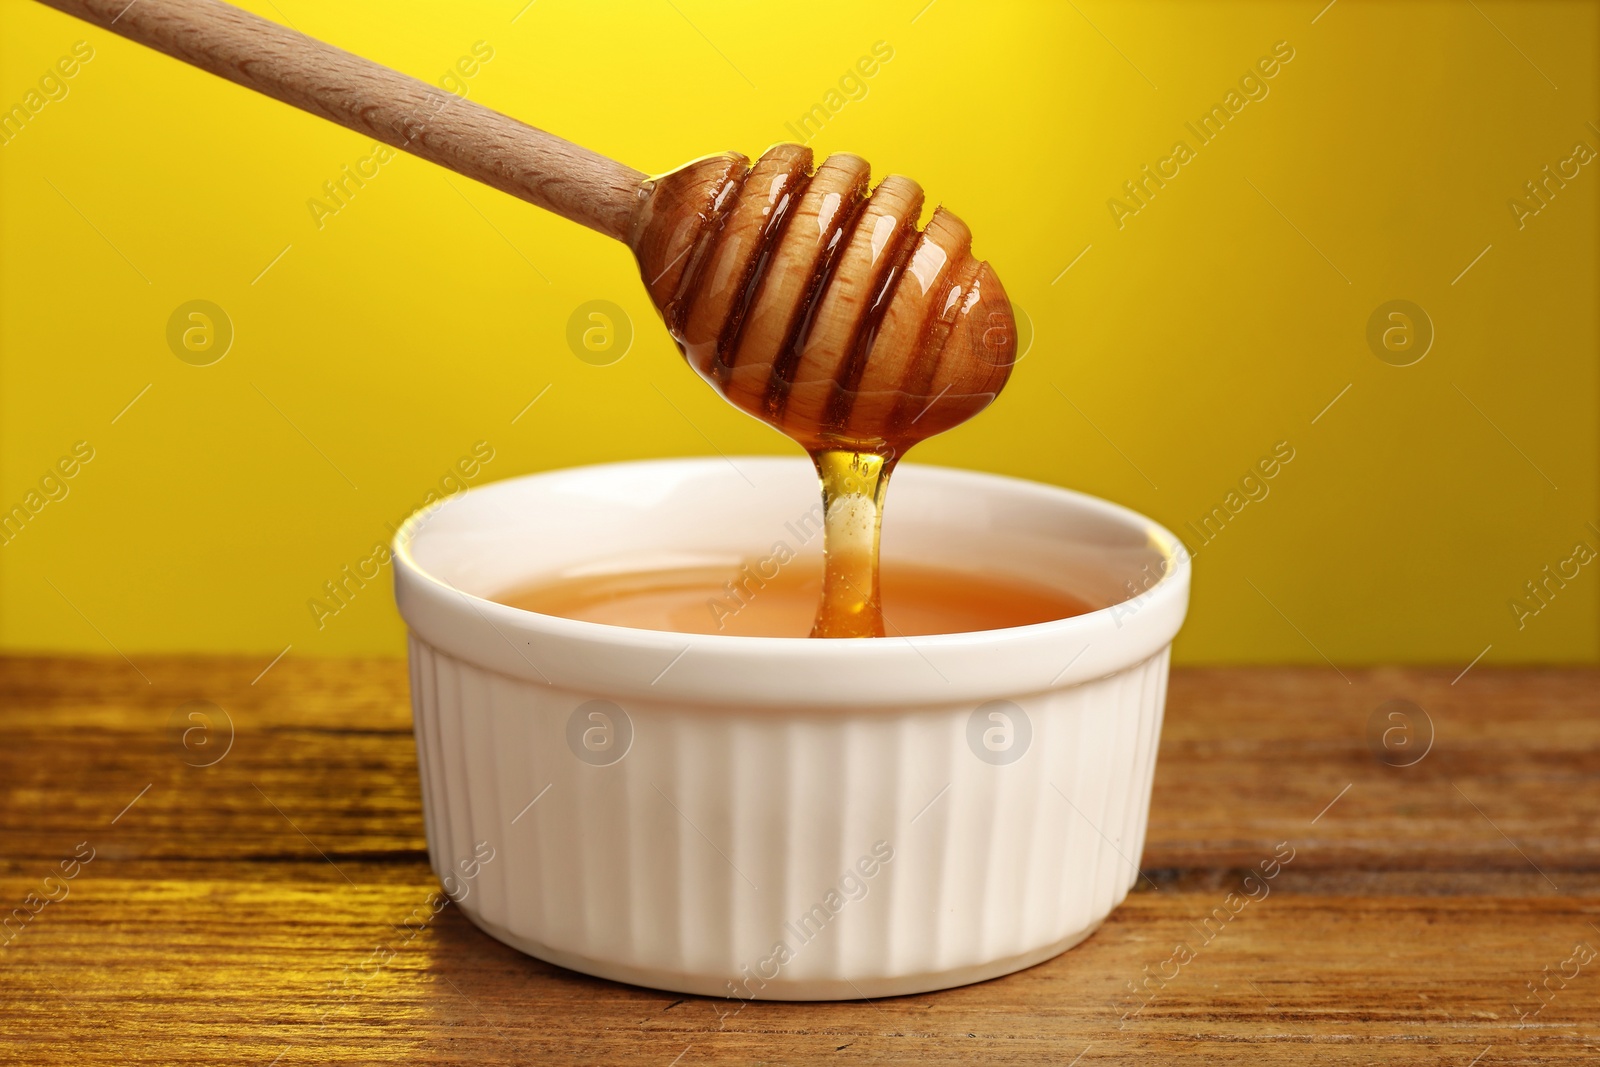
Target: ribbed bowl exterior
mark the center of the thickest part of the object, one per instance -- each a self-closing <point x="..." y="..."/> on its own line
<point x="785" y="855"/>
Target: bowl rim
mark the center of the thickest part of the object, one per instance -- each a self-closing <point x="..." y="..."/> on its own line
<point x="470" y="626"/>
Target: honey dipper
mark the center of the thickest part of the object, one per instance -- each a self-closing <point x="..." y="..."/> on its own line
<point x="805" y="297"/>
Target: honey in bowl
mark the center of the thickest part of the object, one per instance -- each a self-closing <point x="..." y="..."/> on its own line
<point x="766" y="598"/>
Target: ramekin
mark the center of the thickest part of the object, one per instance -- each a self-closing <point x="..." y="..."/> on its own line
<point x="784" y="818"/>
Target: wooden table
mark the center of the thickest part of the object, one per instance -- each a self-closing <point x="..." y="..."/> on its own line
<point x="230" y="913"/>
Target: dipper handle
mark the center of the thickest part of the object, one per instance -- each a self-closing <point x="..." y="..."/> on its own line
<point x="804" y="295"/>
<point x="380" y="103"/>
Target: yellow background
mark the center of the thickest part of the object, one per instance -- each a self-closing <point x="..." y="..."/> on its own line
<point x="1217" y="322"/>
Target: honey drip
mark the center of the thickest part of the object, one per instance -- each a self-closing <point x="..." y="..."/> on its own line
<point x="813" y="301"/>
<point x="853" y="487"/>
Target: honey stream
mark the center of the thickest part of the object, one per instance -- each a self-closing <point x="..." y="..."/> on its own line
<point x="854" y="485"/>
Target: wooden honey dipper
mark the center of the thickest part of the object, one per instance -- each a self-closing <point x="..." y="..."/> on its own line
<point x="805" y="297"/>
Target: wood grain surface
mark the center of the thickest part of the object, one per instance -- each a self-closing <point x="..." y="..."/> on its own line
<point x="230" y="912"/>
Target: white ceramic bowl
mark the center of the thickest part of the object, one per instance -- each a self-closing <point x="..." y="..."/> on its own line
<point x="784" y="818"/>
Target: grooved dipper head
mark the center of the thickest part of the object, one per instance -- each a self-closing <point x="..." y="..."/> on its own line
<point x="814" y="303"/>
